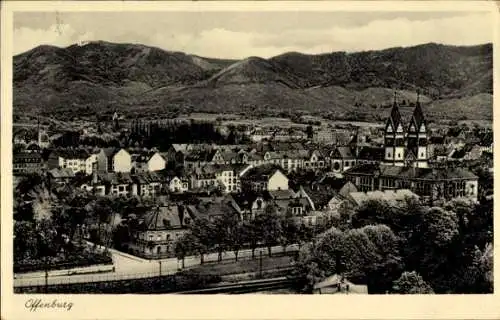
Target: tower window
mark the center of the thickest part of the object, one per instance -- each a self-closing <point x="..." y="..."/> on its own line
<point x="399" y="155"/>
<point x="388" y="154"/>
<point x="422" y="154"/>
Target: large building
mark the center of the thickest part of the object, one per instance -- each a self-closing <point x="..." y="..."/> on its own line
<point x="406" y="164"/>
<point x="406" y="145"/>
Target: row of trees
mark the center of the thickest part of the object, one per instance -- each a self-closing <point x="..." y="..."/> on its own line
<point x="449" y="247"/>
<point x="228" y="233"/>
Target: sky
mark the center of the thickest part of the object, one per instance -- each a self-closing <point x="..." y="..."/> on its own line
<point x="236" y="35"/>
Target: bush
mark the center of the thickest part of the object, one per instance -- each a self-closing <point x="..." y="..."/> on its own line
<point x="81" y="259"/>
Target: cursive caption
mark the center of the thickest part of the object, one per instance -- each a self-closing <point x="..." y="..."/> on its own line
<point x="37" y="304"/>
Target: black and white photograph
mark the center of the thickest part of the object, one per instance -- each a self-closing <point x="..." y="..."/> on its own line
<point x="251" y="152"/>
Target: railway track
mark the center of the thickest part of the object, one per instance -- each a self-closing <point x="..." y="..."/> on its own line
<point x="245" y="287"/>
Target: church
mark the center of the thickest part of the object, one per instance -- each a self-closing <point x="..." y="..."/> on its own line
<point x="406" y="164"/>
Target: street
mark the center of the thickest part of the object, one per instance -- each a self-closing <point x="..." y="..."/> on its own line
<point x="132" y="267"/>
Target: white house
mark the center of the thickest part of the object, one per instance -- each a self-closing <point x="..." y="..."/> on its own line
<point x="90" y="164"/>
<point x="122" y="161"/>
<point x="265" y="177"/>
<point x="178" y="185"/>
<point x="156" y="162"/>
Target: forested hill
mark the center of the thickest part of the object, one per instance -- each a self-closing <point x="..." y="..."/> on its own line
<point x="133" y="78"/>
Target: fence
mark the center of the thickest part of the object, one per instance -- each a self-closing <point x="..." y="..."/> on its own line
<point x="154" y="268"/>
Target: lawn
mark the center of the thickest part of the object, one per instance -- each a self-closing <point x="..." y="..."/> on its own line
<point x="244" y="266"/>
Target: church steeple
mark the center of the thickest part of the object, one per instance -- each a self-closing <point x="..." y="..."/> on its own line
<point x="417" y="135"/>
<point x="395" y="119"/>
<point x="418" y="115"/>
<point x="394" y="137"/>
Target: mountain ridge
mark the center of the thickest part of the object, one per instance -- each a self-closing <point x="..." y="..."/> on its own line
<point x="102" y="74"/>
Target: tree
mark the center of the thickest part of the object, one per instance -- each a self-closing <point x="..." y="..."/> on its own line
<point x="184" y="246"/>
<point x="270" y="226"/>
<point x="101" y="209"/>
<point x="411" y="283"/>
<point x="252" y="234"/>
<point x="367" y="254"/>
<point x="237" y="236"/>
<point x="203" y="236"/>
<point x="290" y="232"/>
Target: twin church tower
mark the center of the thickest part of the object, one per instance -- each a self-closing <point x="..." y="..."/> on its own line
<point x="406" y="145"/>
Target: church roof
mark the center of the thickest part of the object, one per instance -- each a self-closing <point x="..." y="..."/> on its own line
<point x="418" y="115"/>
<point x="395" y="117"/>
<point x="449" y="173"/>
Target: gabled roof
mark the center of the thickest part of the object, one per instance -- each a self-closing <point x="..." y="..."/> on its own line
<point x="146" y="177"/>
<point x="164" y="218"/>
<point x="344" y="152"/>
<point x="214" y="206"/>
<point x="110" y="152"/>
<point x="262" y="172"/>
<point x="282" y="194"/>
<point x="115" y="178"/>
<point x="387" y="195"/>
<point x="348" y="188"/>
<point x="371" y="153"/>
<point x="200" y="155"/>
<point x="61" y="173"/>
<point x="448" y="173"/>
<point x="319" y="194"/>
<point x="71" y="153"/>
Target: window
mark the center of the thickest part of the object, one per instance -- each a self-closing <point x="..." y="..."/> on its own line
<point x="399" y="155"/>
<point x="336" y="166"/>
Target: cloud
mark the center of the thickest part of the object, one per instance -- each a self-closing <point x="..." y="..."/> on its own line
<point x="60" y="35"/>
<point x="230" y="42"/>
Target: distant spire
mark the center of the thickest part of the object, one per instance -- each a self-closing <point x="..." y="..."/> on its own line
<point x="395" y="96"/>
<point x="418" y="96"/>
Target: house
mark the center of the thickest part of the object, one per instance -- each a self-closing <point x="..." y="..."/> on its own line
<point x="27" y="162"/>
<point x="286" y="202"/>
<point x="315" y="160"/>
<point x="265" y="177"/>
<point x="73" y="159"/>
<point x="259" y="134"/>
<point x="156" y="233"/>
<point x="370" y="154"/>
<point x="228" y="176"/>
<point x="110" y="184"/>
<point x="431" y="184"/>
<point x="212" y="208"/>
<point x="147" y="161"/>
<point x="114" y="160"/>
<point x="177" y="184"/>
<point x="198" y="158"/>
<point x="337" y="284"/>
<point x="342" y="158"/>
<point x="146" y="184"/>
<point x="91" y="164"/>
<point x="391" y="196"/>
<point x="61" y="175"/>
<point x="475" y="152"/>
<point x="341" y="197"/>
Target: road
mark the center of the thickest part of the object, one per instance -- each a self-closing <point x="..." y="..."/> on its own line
<point x="132" y="267"/>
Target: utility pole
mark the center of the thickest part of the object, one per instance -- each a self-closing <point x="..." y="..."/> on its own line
<point x="46" y="276"/>
<point x="260" y="263"/>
